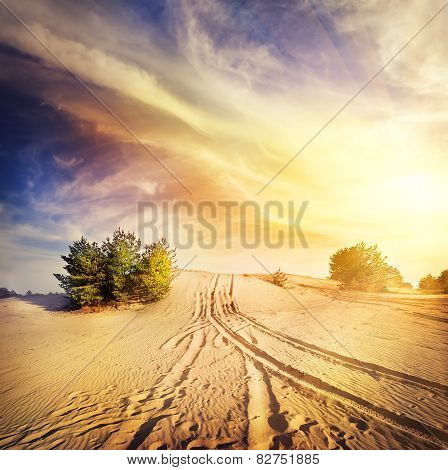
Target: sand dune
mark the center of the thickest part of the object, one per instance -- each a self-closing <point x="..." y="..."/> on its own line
<point x="228" y="362"/>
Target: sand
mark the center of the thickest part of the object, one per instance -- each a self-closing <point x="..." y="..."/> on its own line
<point x="227" y="362"/>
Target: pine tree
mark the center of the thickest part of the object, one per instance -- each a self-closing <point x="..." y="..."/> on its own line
<point x="122" y="259"/>
<point x="85" y="268"/>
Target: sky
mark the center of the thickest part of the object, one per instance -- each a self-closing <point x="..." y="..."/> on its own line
<point x="223" y="94"/>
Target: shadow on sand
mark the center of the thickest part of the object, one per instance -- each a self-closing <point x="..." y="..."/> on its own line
<point x="50" y="302"/>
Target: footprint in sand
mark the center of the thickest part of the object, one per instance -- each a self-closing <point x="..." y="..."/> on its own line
<point x="305" y="427"/>
<point x="359" y="423"/>
<point x="338" y="438"/>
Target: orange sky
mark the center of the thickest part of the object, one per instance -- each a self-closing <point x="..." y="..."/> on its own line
<point x="225" y="95"/>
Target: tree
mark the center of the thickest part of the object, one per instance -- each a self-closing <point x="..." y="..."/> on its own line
<point x="429" y="282"/>
<point x="443" y="281"/>
<point x="395" y="278"/>
<point x="5" y="293"/>
<point x="122" y="259"/>
<point x="28" y="293"/>
<point x="84" y="283"/>
<point x="156" y="270"/>
<point x="117" y="270"/>
<point x="360" y="267"/>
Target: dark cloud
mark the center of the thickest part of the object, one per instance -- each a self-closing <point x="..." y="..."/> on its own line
<point x="32" y="133"/>
<point x="9" y="51"/>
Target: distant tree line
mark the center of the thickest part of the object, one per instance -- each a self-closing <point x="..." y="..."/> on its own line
<point x="430" y="282"/>
<point x="5" y="293"/>
<point x="118" y="270"/>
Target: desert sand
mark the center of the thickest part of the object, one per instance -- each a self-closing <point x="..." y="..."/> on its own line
<point x="227" y="362"/>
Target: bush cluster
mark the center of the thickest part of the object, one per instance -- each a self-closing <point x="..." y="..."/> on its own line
<point x="363" y="267"/>
<point x="118" y="270"/>
<point x="430" y="282"/>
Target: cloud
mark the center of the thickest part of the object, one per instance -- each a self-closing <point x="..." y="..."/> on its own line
<point x="224" y="94"/>
<point x="67" y="163"/>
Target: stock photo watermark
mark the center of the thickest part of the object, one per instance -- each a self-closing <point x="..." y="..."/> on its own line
<point x="230" y="224"/>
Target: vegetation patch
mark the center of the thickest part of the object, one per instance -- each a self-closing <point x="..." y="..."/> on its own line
<point x="118" y="271"/>
<point x="364" y="268"/>
<point x="440" y="283"/>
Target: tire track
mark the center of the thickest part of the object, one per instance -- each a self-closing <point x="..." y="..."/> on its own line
<point x="174" y="380"/>
<point x="330" y="356"/>
<point x="170" y="386"/>
<point x="389" y="303"/>
<point x="160" y="398"/>
<point x="297" y="379"/>
<point x="196" y="323"/>
<point x="259" y="433"/>
<point x="267" y="425"/>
